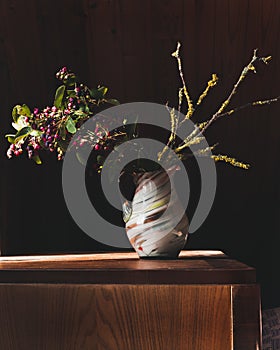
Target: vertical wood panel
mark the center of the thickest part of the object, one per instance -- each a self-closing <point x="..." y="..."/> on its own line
<point x="167" y="27"/>
<point x="115" y="317"/>
<point x="104" y="45"/>
<point x="136" y="27"/>
<point x="246" y="316"/>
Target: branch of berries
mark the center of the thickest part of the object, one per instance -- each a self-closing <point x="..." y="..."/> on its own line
<point x="52" y="128"/>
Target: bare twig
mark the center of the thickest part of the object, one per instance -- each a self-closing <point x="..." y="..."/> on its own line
<point x="185" y="90"/>
<point x="244" y="73"/>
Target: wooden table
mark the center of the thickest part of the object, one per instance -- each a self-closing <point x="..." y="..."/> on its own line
<point x="115" y="301"/>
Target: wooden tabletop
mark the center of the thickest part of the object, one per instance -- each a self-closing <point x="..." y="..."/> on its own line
<point x="192" y="267"/>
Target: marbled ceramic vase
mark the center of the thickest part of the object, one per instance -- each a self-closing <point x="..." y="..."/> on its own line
<point x="156" y="224"/>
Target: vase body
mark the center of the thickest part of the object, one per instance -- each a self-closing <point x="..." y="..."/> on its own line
<point x="156" y="224"/>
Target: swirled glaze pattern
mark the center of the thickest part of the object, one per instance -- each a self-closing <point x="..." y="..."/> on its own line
<point x="151" y="233"/>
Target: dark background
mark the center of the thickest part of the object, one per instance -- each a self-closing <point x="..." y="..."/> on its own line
<point x="126" y="45"/>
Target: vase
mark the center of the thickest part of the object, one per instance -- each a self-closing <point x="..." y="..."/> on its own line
<point x="155" y="222"/>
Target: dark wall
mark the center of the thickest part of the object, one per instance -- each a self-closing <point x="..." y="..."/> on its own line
<point x="126" y="44"/>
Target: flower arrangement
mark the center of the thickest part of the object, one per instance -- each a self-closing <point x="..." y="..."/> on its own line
<point x="52" y="128"/>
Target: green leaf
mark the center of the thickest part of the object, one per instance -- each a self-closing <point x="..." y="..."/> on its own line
<point x="37" y="159"/>
<point x="86" y="109"/>
<point x="113" y="101"/>
<point x="80" y="113"/>
<point x="103" y="90"/>
<point x="15" y="113"/>
<point x="22" y="133"/>
<point x="19" y="110"/>
<point x="71" y="93"/>
<point x="70" y="126"/>
<point x="62" y="132"/>
<point x="59" y="94"/>
<point x="98" y="93"/>
<point x="11" y="138"/>
<point x="94" y="94"/>
<point x="24" y="110"/>
<point x="70" y="81"/>
<point x="36" y="133"/>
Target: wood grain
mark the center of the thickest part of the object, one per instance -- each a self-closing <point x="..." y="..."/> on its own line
<point x="111" y="317"/>
<point x="106" y="256"/>
<point x="246" y="316"/>
<point x="126" y="268"/>
<point x="97" y="302"/>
